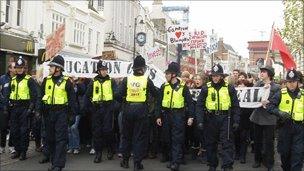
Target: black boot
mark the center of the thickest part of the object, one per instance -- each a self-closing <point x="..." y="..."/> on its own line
<point x="164" y="158"/>
<point x="15" y="155"/>
<point x="45" y="159"/>
<point x="22" y="156"/>
<point x="174" y="167"/>
<point x="138" y="166"/>
<point x="227" y="169"/>
<point x="56" y="169"/>
<point x="110" y="154"/>
<point x="243" y="160"/>
<point x="212" y="168"/>
<point x="124" y="163"/>
<point x="97" y="158"/>
<point x="256" y="165"/>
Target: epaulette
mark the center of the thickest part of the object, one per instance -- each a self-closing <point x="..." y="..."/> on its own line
<point x="209" y="84"/>
<point x="284" y="90"/>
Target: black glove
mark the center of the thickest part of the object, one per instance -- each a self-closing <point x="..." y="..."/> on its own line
<point x="200" y="126"/>
<point x="37" y="116"/>
<point x="284" y="115"/>
<point x="29" y="112"/>
<point x="235" y="126"/>
<point x="5" y="113"/>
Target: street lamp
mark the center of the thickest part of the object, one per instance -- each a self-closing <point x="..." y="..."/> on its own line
<point x="135" y="25"/>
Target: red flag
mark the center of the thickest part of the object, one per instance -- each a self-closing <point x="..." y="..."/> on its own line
<point x="278" y="44"/>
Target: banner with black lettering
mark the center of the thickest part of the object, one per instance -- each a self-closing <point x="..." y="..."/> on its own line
<point x="86" y="67"/>
<point x="249" y="97"/>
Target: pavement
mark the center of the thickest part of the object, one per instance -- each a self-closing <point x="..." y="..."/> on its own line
<point x="84" y="161"/>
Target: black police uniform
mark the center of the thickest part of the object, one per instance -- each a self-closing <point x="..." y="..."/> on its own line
<point x="173" y="121"/>
<point x="291" y="132"/>
<point x="56" y="118"/>
<point x="135" y="120"/>
<point x="217" y="122"/>
<point x="102" y="117"/>
<point x="20" y="111"/>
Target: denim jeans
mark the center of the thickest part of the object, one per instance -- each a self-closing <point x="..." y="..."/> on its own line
<point x="74" y="135"/>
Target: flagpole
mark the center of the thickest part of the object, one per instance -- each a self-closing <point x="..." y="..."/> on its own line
<point x="270" y="43"/>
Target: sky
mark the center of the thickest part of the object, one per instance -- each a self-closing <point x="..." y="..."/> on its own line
<point x="236" y="21"/>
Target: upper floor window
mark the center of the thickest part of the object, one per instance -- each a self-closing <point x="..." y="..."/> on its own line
<point x="79" y="33"/>
<point x="7" y="11"/>
<point x="57" y="20"/>
<point x="19" y="12"/>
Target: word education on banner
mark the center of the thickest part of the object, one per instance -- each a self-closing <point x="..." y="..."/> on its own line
<point x="84" y="67"/>
<point x="178" y="34"/>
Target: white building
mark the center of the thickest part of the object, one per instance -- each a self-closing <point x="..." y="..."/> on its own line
<point x="25" y="25"/>
<point x="84" y="26"/>
<point x="120" y="29"/>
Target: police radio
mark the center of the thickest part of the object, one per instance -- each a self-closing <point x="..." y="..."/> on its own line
<point x="213" y="96"/>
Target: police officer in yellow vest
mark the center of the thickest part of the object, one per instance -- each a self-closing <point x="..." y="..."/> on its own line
<point x="176" y="105"/>
<point x="59" y="99"/>
<point x="101" y="94"/>
<point x="288" y="105"/>
<point x="22" y="101"/>
<point x="218" y="114"/>
<point x="134" y="90"/>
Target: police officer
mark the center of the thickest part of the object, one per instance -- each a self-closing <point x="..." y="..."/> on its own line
<point x="101" y="93"/>
<point x="22" y="101"/>
<point x="175" y="99"/>
<point x="135" y="90"/>
<point x="59" y="99"/>
<point x="215" y="106"/>
<point x="288" y="105"/>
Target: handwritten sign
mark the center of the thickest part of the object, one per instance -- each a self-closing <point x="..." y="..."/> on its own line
<point x="178" y="34"/>
<point x="197" y="41"/>
<point x="154" y="53"/>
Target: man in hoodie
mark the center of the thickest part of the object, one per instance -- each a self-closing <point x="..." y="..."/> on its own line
<point x="134" y="91"/>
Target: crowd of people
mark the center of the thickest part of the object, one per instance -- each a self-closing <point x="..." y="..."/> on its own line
<point x="131" y="117"/>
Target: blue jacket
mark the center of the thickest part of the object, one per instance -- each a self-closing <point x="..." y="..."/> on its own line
<point x="4" y="89"/>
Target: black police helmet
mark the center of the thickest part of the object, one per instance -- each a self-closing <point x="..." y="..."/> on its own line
<point x="57" y="61"/>
<point x="269" y="69"/>
<point x="173" y="67"/>
<point x="139" y="62"/>
<point x="20" y="62"/>
<point x="217" y="70"/>
<point x="101" y="65"/>
<point x="292" y="75"/>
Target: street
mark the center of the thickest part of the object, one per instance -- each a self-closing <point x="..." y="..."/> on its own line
<point x="84" y="161"/>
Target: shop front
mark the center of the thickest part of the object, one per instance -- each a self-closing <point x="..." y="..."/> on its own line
<point x="13" y="46"/>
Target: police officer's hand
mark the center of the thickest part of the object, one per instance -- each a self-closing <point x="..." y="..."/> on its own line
<point x="29" y="112"/>
<point x="235" y="126"/>
<point x="5" y="113"/>
<point x="159" y="121"/>
<point x="37" y="115"/>
<point x="284" y="115"/>
<point x="190" y="121"/>
<point x="200" y="126"/>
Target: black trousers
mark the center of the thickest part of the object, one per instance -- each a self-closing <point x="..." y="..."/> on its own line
<point x="264" y="144"/>
<point x="56" y="126"/>
<point x="135" y="132"/>
<point x="291" y="146"/>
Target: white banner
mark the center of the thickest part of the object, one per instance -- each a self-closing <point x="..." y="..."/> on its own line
<point x="178" y="34"/>
<point x="249" y="97"/>
<point x="86" y="67"/>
